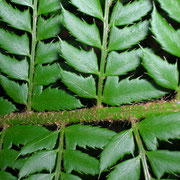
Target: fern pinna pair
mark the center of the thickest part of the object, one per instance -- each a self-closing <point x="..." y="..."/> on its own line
<point x="29" y="59"/>
<point x="102" y="69"/>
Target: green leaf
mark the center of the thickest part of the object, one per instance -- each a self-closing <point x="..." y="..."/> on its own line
<point x="45" y="75"/>
<point x="13" y="68"/>
<point x="17" y="92"/>
<point x="48" y="6"/>
<point x="43" y="160"/>
<point x="23" y="2"/>
<point x="7" y="158"/>
<point x="69" y="177"/>
<point x="13" y="43"/>
<point x="37" y="90"/>
<point x="84" y="32"/>
<point x="172" y="7"/>
<point x="162" y="127"/>
<point x="84" y="136"/>
<point x="80" y="162"/>
<point x="40" y="177"/>
<point x="165" y="34"/>
<point x="22" y="134"/>
<point x="120" y="145"/>
<point x="46" y="141"/>
<point x="20" y="20"/>
<point x="126" y="170"/>
<point x="127" y="91"/>
<point x="122" y="15"/>
<point x="19" y="163"/>
<point x="83" y="61"/>
<point x="164" y="161"/>
<point x="163" y="73"/>
<point x="49" y="28"/>
<point x="47" y="53"/>
<point x="83" y="87"/>
<point x="121" y="39"/>
<point x="55" y="99"/>
<point x="6" y="107"/>
<point x="90" y="7"/>
<point x="120" y="64"/>
<point x="6" y="176"/>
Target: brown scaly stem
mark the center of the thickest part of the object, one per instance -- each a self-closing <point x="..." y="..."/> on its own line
<point x="92" y="114"/>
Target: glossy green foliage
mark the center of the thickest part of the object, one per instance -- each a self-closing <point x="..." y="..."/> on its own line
<point x="113" y="38"/>
<point x="164" y="73"/>
<point x="39" y="151"/>
<point x="130" y="152"/>
<point x="27" y="46"/>
<point x="165" y="34"/>
<point x="162" y="161"/>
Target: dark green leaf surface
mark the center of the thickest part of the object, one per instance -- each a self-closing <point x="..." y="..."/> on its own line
<point x="80" y="162"/>
<point x="83" y="61"/>
<point x="43" y="160"/>
<point x="7" y="158"/>
<point x="163" y="73"/>
<point x="49" y="28"/>
<point x="22" y="134"/>
<point x="6" y="176"/>
<point x="46" y="141"/>
<point x="83" y="87"/>
<point x="17" y="92"/>
<point x="165" y="34"/>
<point x="23" y="2"/>
<point x="127" y="170"/>
<point x="6" y="107"/>
<point x="13" y="68"/>
<point x="172" y="7"/>
<point x="84" y="32"/>
<point x="121" y="39"/>
<point x="129" y="13"/>
<point x="48" y="6"/>
<point x="45" y="75"/>
<point x="20" y="20"/>
<point x="13" y="43"/>
<point x="40" y="177"/>
<point x="90" y="7"/>
<point x="127" y="91"/>
<point x="55" y="99"/>
<point x="163" y="161"/>
<point x="120" y="145"/>
<point x="162" y="127"/>
<point x="120" y="64"/>
<point x="47" y="53"/>
<point x="69" y="177"/>
<point x="84" y="136"/>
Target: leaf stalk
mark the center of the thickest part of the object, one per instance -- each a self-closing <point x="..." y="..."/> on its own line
<point x="141" y="150"/>
<point x="103" y="53"/>
<point x="92" y="114"/>
<point x="60" y="153"/>
<point x="32" y="57"/>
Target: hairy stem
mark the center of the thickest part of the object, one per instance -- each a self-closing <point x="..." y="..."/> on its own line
<point x="178" y="95"/>
<point x="32" y="57"/>
<point x="60" y="153"/>
<point x="141" y="150"/>
<point x="92" y="114"/>
<point x="103" y="52"/>
<point x="2" y="134"/>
